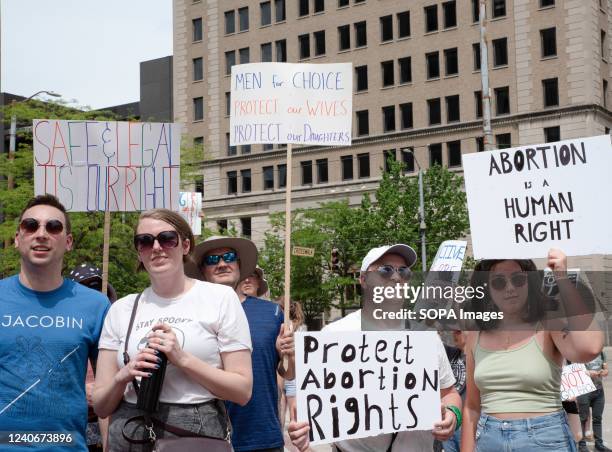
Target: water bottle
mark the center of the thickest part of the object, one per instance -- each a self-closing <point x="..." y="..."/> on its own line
<point x="150" y="387"/>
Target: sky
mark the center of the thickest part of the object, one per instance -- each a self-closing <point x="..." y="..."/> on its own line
<point x="89" y="51"/>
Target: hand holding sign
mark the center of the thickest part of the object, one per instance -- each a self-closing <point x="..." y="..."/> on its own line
<point x="298" y="432"/>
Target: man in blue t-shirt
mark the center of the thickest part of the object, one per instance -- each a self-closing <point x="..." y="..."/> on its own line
<point x="49" y="328"/>
<point x="255" y="426"/>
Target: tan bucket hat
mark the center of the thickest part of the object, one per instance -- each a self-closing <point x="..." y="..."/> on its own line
<point x="246" y="250"/>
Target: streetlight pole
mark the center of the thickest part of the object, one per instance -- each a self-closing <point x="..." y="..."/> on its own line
<point x="484" y="75"/>
<point x="422" y="225"/>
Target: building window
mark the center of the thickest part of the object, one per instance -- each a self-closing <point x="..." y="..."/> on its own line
<point x="435" y="154"/>
<point x="550" y="88"/>
<point x="450" y="14"/>
<point x="476" y="53"/>
<point x="265" y="10"/>
<point x="363" y="122"/>
<point x="342" y="3"/>
<point x="407" y="160"/>
<point x="503" y="140"/>
<point x="228" y="103"/>
<point x="363" y="165"/>
<point x="552" y="134"/>
<point x="361" y="38"/>
<point x="304" y="41"/>
<point x="198" y="69"/>
<point x="359" y="1"/>
<point x="480" y="144"/>
<point x="279" y="6"/>
<point x="245" y="223"/>
<point x="319" y="42"/>
<point x="388" y="118"/>
<point x="199" y="183"/>
<point x="232" y="182"/>
<point x="196" y="25"/>
<point x="282" y="175"/>
<point x="245" y="175"/>
<point x="306" y="172"/>
<point x="344" y="37"/>
<point x="230" y="22"/>
<point x="198" y="145"/>
<point x="604" y="93"/>
<point x="499" y="8"/>
<point x="268" y="177"/>
<point x="431" y="18"/>
<point x="500" y="52"/>
<point x="403" y="24"/>
<point x="303" y="7"/>
<point x="478" y="103"/>
<point x="502" y="100"/>
<point x="451" y="61"/>
<point x="222" y="226"/>
<point x="454" y="153"/>
<point x="604" y="54"/>
<point x="245" y="149"/>
<point x="545" y="3"/>
<point x="266" y="52"/>
<point x="406" y="115"/>
<point x="198" y="108"/>
<point x="243" y="18"/>
<point x="386" y="28"/>
<point x="475" y="11"/>
<point x="268" y="146"/>
<point x="452" y="108"/>
<point x="231" y="150"/>
<point x="433" y="65"/>
<point x="405" y="70"/>
<point x="389" y="156"/>
<point x="245" y="55"/>
<point x="361" y="77"/>
<point x="319" y="6"/>
<point x="281" y="50"/>
<point x="230" y="60"/>
<point x="548" y="38"/>
<point x="433" y="106"/>
<point x="322" y="176"/>
<point x="347" y="167"/>
<point x="387" y="73"/>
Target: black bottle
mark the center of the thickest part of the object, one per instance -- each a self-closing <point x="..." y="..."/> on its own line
<point x="150" y="387"/>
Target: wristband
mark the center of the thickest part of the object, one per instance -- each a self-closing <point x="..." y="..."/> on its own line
<point x="457" y="412"/>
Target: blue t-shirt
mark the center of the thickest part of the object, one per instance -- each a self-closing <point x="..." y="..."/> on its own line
<point x="256" y="425"/>
<point x="45" y="341"/>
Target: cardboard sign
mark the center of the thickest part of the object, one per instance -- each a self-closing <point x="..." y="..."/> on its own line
<point x="291" y="103"/>
<point x="358" y="384"/>
<point x="89" y="165"/>
<point x="303" y="251"/>
<point x="575" y="381"/>
<point x="190" y="208"/>
<point x="524" y="201"/>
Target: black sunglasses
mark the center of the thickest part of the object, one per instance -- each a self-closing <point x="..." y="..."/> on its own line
<point x="31" y="225"/>
<point x="500" y="282"/>
<point x="214" y="259"/>
<point x="386" y="271"/>
<point x="166" y="239"/>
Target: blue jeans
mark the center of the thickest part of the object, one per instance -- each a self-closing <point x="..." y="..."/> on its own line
<point x="550" y="432"/>
<point x="453" y="443"/>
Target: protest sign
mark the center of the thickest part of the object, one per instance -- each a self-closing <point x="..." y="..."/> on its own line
<point x="291" y="103"/>
<point x="575" y="381"/>
<point x="525" y="200"/>
<point x="190" y="208"/>
<point x="89" y="165"/>
<point x="449" y="257"/>
<point x="358" y="384"/>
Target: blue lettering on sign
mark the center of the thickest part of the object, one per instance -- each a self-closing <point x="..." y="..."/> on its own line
<point x="248" y="80"/>
<point x="318" y="80"/>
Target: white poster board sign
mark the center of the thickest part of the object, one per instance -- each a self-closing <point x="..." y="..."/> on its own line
<point x="129" y="166"/>
<point x="358" y="384"/>
<point x="190" y="208"/>
<point x="291" y="103"/>
<point x="449" y="257"/>
<point x="575" y="381"/>
<point x="524" y="201"/>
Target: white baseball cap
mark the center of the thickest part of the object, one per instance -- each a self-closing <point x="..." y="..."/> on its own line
<point x="399" y="248"/>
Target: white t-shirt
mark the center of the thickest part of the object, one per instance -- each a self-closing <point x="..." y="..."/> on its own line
<point x="207" y="321"/>
<point x="412" y="441"/>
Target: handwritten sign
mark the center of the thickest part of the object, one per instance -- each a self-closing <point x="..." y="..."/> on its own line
<point x="449" y="257"/>
<point x="525" y="200"/>
<point x="575" y="381"/>
<point x="291" y="103"/>
<point x="190" y="208"/>
<point x="358" y="384"/>
<point x="89" y="165"/>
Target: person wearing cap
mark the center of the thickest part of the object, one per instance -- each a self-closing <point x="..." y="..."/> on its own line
<point x="381" y="266"/>
<point x="228" y="261"/>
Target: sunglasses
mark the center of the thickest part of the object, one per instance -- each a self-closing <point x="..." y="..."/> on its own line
<point x="214" y="259"/>
<point x="166" y="239"/>
<point x="386" y="271"/>
<point x="31" y="225"/>
<point x="500" y="282"/>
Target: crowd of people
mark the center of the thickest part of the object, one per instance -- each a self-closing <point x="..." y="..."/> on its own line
<point x="227" y="359"/>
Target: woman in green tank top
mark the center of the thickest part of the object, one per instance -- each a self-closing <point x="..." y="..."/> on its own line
<point x="514" y="366"/>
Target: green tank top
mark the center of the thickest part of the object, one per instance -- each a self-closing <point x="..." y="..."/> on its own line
<point x="517" y="380"/>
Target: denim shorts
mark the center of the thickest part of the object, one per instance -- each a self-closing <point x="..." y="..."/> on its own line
<point x="550" y="432"/>
<point x="207" y="418"/>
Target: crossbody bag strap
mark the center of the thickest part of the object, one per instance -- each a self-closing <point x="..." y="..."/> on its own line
<point x="126" y="356"/>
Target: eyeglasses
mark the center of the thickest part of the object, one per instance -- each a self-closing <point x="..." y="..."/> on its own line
<point x="166" y="239"/>
<point x="500" y="282"/>
<point x="31" y="225"/>
<point x="214" y="259"/>
<point x="386" y="271"/>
